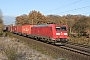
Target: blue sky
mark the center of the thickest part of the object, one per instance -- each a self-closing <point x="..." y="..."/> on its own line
<point x="46" y="7"/>
<point x="19" y="7"/>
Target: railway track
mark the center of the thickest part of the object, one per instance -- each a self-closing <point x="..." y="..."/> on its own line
<point x="70" y="51"/>
<point x="77" y="49"/>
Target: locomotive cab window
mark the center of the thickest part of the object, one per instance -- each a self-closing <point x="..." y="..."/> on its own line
<point x="60" y="28"/>
<point x="63" y="28"/>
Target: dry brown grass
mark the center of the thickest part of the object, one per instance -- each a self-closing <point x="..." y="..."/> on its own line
<point x="80" y="40"/>
<point x="15" y="50"/>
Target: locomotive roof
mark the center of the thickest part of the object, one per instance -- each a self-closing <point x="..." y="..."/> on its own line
<point x="45" y="25"/>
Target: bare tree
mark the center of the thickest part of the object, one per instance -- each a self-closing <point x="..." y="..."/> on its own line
<point x="1" y="22"/>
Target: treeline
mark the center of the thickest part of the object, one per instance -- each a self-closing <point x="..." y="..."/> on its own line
<point x="34" y="17"/>
<point x="76" y="23"/>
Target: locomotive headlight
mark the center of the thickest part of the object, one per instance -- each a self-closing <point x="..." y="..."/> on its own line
<point x="57" y="33"/>
<point x="65" y="33"/>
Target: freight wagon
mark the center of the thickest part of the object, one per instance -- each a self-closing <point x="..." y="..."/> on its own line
<point x="26" y="30"/>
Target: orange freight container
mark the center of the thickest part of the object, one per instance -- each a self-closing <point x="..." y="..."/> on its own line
<point x="26" y="29"/>
<point x="19" y="30"/>
<point x="14" y="29"/>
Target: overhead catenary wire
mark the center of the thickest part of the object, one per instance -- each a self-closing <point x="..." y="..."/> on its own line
<point x="64" y="6"/>
<point x="74" y="9"/>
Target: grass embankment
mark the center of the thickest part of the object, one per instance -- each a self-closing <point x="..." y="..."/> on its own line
<point x="80" y="40"/>
<point x="38" y="48"/>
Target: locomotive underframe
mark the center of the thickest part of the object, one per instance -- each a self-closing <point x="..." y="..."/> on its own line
<point x="60" y="41"/>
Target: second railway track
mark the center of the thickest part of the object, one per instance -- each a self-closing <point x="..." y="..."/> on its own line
<point x="69" y="51"/>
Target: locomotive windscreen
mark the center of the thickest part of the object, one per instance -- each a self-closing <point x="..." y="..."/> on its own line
<point x="60" y="28"/>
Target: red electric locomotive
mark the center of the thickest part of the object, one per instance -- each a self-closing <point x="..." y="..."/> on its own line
<point x="51" y="32"/>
